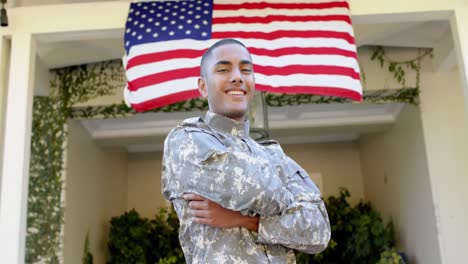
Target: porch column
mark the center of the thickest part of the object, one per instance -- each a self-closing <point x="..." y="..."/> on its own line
<point x="16" y="154"/>
<point x="4" y="66"/>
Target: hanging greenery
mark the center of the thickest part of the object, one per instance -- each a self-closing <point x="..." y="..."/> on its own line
<point x="45" y="213"/>
<point x="50" y="114"/>
<point x="398" y="68"/>
<point x="406" y="95"/>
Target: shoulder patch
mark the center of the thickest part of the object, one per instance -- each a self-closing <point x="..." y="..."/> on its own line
<point x="192" y="122"/>
<point x="268" y="142"/>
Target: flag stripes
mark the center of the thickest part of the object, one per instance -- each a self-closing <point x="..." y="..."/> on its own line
<point x="302" y="47"/>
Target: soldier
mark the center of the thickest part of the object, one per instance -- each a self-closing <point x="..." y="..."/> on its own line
<point x="238" y="201"/>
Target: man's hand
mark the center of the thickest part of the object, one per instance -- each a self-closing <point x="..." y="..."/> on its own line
<point x="204" y="211"/>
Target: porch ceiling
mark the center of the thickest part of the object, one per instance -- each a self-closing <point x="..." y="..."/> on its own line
<point x="288" y="125"/>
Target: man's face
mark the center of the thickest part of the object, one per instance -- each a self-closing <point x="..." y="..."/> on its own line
<point x="228" y="81"/>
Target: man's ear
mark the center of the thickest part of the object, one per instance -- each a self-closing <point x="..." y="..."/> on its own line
<point x="202" y="87"/>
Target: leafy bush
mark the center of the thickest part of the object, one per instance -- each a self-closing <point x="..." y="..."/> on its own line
<point x="391" y="256"/>
<point x="134" y="239"/>
<point x="358" y="236"/>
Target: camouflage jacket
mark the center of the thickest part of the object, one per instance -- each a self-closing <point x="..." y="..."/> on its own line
<point x="216" y="158"/>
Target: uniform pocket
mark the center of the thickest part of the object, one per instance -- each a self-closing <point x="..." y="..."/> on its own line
<point x="209" y="147"/>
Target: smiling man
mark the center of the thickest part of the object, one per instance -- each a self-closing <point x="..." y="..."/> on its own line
<point x="238" y="201"/>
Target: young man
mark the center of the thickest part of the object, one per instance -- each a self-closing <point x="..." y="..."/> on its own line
<point x="237" y="201"/>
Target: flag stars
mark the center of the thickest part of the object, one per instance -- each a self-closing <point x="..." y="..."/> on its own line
<point x="172" y="19"/>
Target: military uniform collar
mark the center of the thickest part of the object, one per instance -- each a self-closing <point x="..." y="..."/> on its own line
<point x="227" y="125"/>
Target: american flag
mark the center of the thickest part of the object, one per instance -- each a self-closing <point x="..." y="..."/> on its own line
<point x="305" y="46"/>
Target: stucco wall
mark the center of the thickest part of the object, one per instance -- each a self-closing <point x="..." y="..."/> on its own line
<point x="445" y="126"/>
<point x="144" y="183"/>
<point x="96" y="190"/>
<point x="396" y="182"/>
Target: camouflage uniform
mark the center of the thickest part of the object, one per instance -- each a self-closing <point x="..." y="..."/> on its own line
<point x="216" y="158"/>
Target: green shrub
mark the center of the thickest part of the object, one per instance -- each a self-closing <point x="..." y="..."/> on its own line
<point x="359" y="235"/>
<point x="129" y="239"/>
<point x="134" y="239"/>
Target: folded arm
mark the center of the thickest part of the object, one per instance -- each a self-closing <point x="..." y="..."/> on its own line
<point x="197" y="162"/>
<point x="303" y="225"/>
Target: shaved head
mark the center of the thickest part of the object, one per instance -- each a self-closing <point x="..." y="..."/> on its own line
<point x="209" y="53"/>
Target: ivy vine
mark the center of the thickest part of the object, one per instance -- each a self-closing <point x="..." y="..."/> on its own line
<point x="398" y="68"/>
<point x="45" y="213"/>
<point x="50" y="114"/>
<point x="405" y="95"/>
